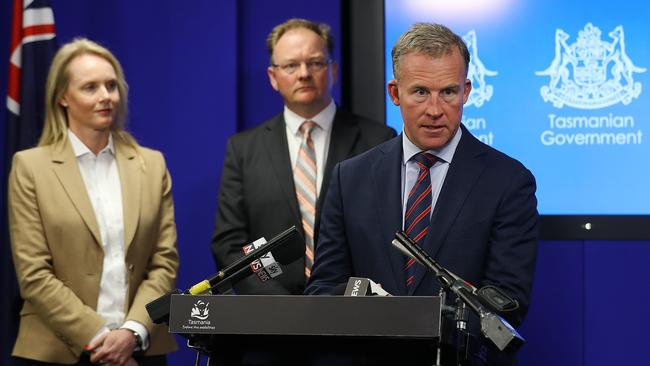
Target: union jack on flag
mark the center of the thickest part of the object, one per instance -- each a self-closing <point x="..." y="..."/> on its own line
<point x="33" y="45"/>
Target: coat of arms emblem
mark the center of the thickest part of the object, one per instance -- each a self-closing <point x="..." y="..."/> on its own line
<point x="590" y="73"/>
<point x="476" y="73"/>
<point x="200" y="310"/>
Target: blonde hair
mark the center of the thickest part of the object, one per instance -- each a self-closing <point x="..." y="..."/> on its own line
<point x="430" y="39"/>
<point x="321" y="29"/>
<point x="55" y="127"/>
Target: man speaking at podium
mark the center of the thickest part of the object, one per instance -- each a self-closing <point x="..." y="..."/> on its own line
<point x="471" y="207"/>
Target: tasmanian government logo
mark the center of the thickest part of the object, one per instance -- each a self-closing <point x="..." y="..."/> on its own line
<point x="200" y="310"/>
<point x="476" y="73"/>
<point x="590" y="73"/>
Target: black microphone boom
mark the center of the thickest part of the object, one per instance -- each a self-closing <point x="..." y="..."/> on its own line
<point x="243" y="262"/>
<point x="493" y="327"/>
<point x="159" y="309"/>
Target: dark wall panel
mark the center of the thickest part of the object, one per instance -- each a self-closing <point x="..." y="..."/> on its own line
<point x="555" y="323"/>
<point x="616" y="302"/>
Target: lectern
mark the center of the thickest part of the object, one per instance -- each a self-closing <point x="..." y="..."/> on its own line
<point x="309" y="329"/>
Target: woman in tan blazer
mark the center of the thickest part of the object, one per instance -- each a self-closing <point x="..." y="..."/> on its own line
<point x="92" y="224"/>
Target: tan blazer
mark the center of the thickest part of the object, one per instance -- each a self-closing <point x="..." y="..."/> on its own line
<point x="58" y="254"/>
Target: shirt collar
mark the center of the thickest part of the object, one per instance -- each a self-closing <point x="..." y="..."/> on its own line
<point x="81" y="149"/>
<point x="323" y="119"/>
<point x="446" y="153"/>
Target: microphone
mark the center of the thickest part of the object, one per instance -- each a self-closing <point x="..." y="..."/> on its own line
<point x="490" y="295"/>
<point x="264" y="268"/>
<point x="245" y="261"/>
<point x="493" y="327"/>
<point x="359" y="286"/>
<point x="159" y="309"/>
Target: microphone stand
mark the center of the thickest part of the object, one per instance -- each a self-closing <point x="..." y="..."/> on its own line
<point x="493" y="327"/>
<point x="461" y="316"/>
<point x="443" y="295"/>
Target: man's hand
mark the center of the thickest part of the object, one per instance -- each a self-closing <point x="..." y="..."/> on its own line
<point x="114" y="348"/>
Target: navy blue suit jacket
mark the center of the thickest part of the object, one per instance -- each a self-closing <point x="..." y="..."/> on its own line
<point x="483" y="228"/>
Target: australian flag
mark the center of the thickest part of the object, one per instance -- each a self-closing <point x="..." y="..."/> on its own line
<point x="33" y="45"/>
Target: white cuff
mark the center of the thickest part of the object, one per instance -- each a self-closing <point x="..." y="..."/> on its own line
<point x="141" y="330"/>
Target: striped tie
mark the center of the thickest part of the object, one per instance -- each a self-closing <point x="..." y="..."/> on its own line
<point x="304" y="177"/>
<point x="418" y="208"/>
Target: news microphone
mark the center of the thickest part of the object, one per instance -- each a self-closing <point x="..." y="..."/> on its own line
<point x="493" y="327"/>
<point x="359" y="286"/>
<point x="264" y="268"/>
<point x="246" y="260"/>
<point x="158" y="309"/>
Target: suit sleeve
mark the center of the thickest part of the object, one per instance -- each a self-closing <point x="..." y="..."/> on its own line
<point x="161" y="270"/>
<point x="55" y="303"/>
<point x="512" y="252"/>
<point x="232" y="226"/>
<point x="332" y="262"/>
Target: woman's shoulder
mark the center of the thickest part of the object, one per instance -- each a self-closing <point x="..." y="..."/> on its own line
<point x="151" y="157"/>
<point x="38" y="153"/>
<point x="149" y="153"/>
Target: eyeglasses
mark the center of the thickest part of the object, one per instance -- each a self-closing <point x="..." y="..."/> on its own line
<point x="312" y="66"/>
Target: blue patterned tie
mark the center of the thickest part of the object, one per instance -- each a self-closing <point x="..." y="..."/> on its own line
<point x="418" y="208"/>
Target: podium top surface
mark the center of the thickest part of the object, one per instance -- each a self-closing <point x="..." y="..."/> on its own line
<point x="370" y="316"/>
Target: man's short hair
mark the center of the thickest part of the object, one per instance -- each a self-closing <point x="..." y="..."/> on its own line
<point x="321" y="29"/>
<point x="430" y="39"/>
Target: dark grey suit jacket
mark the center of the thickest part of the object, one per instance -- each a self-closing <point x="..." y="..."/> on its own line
<point x="257" y="196"/>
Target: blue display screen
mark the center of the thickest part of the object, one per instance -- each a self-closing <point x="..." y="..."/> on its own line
<point x="562" y="86"/>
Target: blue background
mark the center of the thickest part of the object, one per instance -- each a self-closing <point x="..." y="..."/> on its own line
<point x="197" y="72"/>
<point x="516" y="39"/>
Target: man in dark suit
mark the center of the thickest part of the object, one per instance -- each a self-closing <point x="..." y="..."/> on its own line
<point x="273" y="174"/>
<point x="471" y="207"/>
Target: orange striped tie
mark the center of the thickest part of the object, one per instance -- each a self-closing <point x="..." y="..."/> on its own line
<point x="304" y="177"/>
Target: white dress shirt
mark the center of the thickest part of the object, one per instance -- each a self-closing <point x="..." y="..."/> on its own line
<point x="102" y="181"/>
<point x="320" y="135"/>
<point x="437" y="172"/>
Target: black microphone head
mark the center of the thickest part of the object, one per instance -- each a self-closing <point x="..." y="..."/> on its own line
<point x="290" y="251"/>
<point x="159" y="309"/>
<point x="285" y="248"/>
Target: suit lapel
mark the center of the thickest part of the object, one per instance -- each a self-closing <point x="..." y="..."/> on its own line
<point x="462" y="175"/>
<point x="276" y="146"/>
<point x="387" y="174"/>
<point x="67" y="171"/>
<point x="130" y="171"/>
<point x="344" y="135"/>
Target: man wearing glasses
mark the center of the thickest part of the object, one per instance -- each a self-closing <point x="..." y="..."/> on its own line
<point x="276" y="174"/>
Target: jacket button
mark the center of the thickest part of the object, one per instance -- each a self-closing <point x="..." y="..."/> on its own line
<point x="131" y="267"/>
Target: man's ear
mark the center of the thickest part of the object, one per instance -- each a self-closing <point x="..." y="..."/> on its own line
<point x="335" y="72"/>
<point x="393" y="91"/>
<point x="468" y="89"/>
<point x="270" y="71"/>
